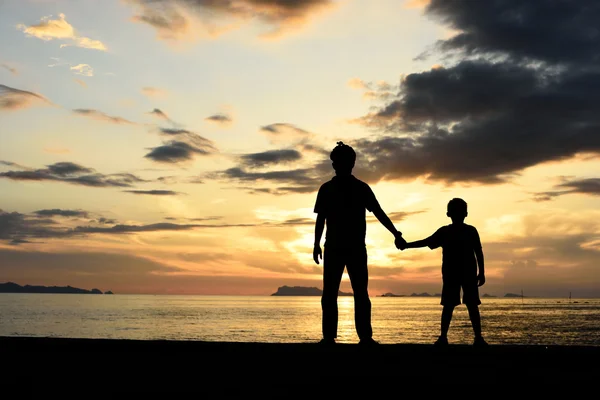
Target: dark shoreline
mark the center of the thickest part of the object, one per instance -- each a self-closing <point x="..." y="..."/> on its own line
<point x="169" y="362"/>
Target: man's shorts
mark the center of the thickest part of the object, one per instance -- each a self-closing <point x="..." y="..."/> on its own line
<point x="451" y="288"/>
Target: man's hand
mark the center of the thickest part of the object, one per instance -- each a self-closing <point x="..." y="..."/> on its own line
<point x="480" y="279"/>
<point x="317" y="253"/>
<point x="400" y="242"/>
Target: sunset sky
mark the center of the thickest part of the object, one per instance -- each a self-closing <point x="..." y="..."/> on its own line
<point x="176" y="146"/>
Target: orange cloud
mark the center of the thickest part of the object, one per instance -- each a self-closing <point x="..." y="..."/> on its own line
<point x="178" y="20"/>
<point x="50" y="29"/>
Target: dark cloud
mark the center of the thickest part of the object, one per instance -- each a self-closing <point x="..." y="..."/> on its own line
<point x="171" y="17"/>
<point x="157" y="112"/>
<point x="18" y="228"/>
<point x="589" y="186"/>
<point x="61" y="213"/>
<point x="525" y="90"/>
<point x="183" y="145"/>
<point x="14" y="99"/>
<point x="281" y="128"/>
<point x="556" y="32"/>
<point x="174" y="152"/>
<point x="302" y="180"/>
<point x="154" y="192"/>
<point x="95" y="114"/>
<point x="75" y="174"/>
<point x="220" y="119"/>
<point x="271" y="157"/>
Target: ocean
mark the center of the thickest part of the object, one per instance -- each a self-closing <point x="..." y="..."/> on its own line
<point x="274" y="319"/>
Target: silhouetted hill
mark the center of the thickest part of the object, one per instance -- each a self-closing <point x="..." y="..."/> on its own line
<point x="11" y="287"/>
<point x="389" y="294"/>
<point x="488" y="295"/>
<point x="303" y="291"/>
<point x="425" y="294"/>
<point x="513" y="295"/>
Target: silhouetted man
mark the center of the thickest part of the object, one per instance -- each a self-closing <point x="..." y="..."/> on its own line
<point x="342" y="203"/>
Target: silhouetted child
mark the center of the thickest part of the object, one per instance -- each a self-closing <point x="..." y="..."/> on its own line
<point x="462" y="254"/>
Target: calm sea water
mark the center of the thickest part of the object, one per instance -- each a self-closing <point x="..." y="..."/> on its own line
<point x="292" y="319"/>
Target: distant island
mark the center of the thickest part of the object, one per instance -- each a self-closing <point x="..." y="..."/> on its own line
<point x="11" y="287"/>
<point x="513" y="295"/>
<point x="303" y="291"/>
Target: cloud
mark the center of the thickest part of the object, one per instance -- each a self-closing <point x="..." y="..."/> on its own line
<point x="374" y="91"/>
<point x="18" y="228"/>
<point x="153" y="92"/>
<point x="95" y="114"/>
<point x="62" y="213"/>
<point x="301" y="180"/>
<point x="220" y="119"/>
<point x="175" y="151"/>
<point x="159" y="114"/>
<point x="75" y="174"/>
<point x="14" y="99"/>
<point x="283" y="129"/>
<point x="80" y="82"/>
<point x="10" y="69"/>
<point x="83" y="69"/>
<point x="50" y="29"/>
<point x="271" y="157"/>
<point x="521" y="92"/>
<point x="588" y="186"/>
<point x="183" y="145"/>
<point x="178" y="19"/>
<point x="154" y="192"/>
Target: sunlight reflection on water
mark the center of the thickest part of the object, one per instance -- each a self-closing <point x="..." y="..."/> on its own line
<point x="291" y="319"/>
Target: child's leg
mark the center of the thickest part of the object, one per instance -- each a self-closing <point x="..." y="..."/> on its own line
<point x="475" y="319"/>
<point x="446" y="319"/>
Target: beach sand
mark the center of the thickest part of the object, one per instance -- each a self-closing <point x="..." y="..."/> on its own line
<point x="181" y="365"/>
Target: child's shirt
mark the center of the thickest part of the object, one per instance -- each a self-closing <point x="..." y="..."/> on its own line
<point x="458" y="243"/>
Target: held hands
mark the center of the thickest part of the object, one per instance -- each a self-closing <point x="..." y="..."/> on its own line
<point x="400" y="242"/>
<point x="317" y="253"/>
<point x="480" y="279"/>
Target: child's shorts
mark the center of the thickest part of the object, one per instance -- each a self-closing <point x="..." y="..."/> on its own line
<point x="451" y="288"/>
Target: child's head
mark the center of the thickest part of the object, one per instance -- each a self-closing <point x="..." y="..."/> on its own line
<point x="457" y="209"/>
<point x="343" y="157"/>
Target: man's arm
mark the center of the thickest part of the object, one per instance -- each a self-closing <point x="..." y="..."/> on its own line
<point x="480" y="261"/>
<point x="387" y="222"/>
<point x="319" y="227"/>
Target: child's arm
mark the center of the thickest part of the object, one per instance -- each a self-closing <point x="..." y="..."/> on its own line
<point x="416" y="244"/>
<point x="319" y="227"/>
<point x="481" y="274"/>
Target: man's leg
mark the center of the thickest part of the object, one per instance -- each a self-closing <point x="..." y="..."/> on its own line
<point x="359" y="279"/>
<point x="333" y="268"/>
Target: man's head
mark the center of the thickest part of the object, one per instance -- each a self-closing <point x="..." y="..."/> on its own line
<point x="343" y="157"/>
<point x="457" y="210"/>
